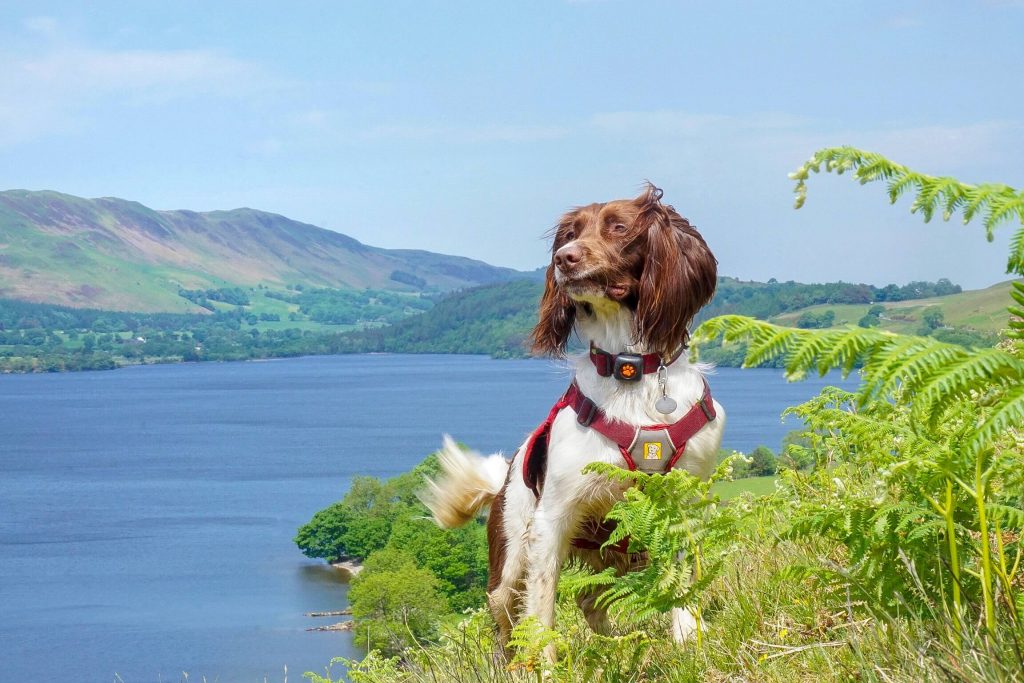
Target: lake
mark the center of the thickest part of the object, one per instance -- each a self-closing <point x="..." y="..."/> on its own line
<point x="146" y="514"/>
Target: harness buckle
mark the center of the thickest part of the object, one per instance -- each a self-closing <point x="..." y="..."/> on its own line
<point x="587" y="412"/>
<point x="708" y="410"/>
<point x="629" y="367"/>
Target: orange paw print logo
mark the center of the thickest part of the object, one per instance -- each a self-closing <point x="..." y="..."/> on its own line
<point x="628" y="371"/>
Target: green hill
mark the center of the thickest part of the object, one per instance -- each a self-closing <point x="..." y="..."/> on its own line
<point x="496" y="319"/>
<point x="983" y="310"/>
<point x="120" y="255"/>
<point x="493" y="319"/>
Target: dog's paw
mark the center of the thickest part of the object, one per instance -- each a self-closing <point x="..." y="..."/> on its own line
<point x="684" y="625"/>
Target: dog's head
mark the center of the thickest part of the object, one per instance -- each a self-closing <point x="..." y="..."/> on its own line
<point x="637" y="253"/>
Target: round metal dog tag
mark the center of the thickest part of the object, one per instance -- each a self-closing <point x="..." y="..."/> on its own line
<point x="665" y="405"/>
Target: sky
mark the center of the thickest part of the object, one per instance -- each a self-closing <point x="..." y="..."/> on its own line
<point x="469" y="127"/>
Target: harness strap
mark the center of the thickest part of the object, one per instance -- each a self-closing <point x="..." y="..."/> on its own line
<point x="625" y="435"/>
<point x="533" y="472"/>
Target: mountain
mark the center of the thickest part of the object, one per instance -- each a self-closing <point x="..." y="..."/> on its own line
<point x="120" y="255"/>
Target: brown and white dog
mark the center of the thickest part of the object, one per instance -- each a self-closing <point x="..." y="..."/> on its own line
<point x="626" y="275"/>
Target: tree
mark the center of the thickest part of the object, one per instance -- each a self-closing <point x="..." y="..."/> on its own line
<point x="811" y="320"/>
<point x="932" y="319"/>
<point x="762" y="462"/>
<point x="456" y="557"/>
<point x="323" y="536"/>
<point x="873" y="318"/>
<point x="394" y="603"/>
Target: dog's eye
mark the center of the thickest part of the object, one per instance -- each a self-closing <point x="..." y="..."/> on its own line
<point x="619" y="228"/>
<point x="570" y="235"/>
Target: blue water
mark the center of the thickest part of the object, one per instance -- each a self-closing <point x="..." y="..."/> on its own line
<point x="146" y="514"/>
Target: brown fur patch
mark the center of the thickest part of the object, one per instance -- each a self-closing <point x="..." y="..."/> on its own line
<point x="497" y="543"/>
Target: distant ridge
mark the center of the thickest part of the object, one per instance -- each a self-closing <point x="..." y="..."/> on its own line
<point x="117" y="254"/>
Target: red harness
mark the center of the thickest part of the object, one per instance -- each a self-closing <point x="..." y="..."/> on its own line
<point x="624" y="435"/>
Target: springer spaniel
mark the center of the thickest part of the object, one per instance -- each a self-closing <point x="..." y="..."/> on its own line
<point x="627" y="276"/>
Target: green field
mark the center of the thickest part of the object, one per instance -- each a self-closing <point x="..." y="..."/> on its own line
<point x="759" y="486"/>
<point x="981" y="309"/>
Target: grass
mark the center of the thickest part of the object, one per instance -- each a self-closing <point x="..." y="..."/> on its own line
<point x="759" y="486"/>
<point x="758" y="626"/>
<point x="981" y="309"/>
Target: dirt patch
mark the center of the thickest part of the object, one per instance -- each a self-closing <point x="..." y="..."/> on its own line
<point x="86" y="293"/>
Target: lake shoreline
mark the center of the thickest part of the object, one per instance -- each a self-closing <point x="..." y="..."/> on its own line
<point x="160" y="361"/>
<point x="348" y="568"/>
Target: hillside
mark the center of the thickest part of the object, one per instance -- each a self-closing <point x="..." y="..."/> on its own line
<point x="496" y="319"/>
<point x="983" y="310"/>
<point x="120" y="255"/>
<point x="492" y="319"/>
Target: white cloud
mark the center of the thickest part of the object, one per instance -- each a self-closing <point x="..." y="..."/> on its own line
<point x="939" y="147"/>
<point x="465" y="134"/>
<point x="312" y="118"/>
<point x="677" y="123"/>
<point x="173" y="71"/>
<point x="664" y="122"/>
<point x="57" y="86"/>
<point x="41" y="25"/>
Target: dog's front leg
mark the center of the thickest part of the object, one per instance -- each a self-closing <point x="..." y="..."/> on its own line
<point x="552" y="527"/>
<point x="684" y="624"/>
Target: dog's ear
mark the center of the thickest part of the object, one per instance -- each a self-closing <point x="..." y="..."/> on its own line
<point x="554" y="319"/>
<point x="678" y="278"/>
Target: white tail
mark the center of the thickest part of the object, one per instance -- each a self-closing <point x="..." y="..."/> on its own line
<point x="469" y="481"/>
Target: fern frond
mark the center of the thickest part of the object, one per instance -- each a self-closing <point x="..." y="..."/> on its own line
<point x="937" y="374"/>
<point x="998" y="202"/>
<point x="1007" y="412"/>
<point x="1011" y="517"/>
<point x="968" y="377"/>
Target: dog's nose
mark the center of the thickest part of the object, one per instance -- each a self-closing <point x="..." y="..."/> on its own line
<point x="568" y="257"/>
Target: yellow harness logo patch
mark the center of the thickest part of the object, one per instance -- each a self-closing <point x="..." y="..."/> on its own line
<point x="652" y="450"/>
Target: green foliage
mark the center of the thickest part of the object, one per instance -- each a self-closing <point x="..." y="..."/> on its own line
<point x="994" y="201"/>
<point x="935" y="373"/>
<point x="394" y="603"/>
<point x="918" y="474"/>
<point x="873" y="318"/>
<point x="233" y="296"/>
<point x="457" y="557"/>
<point x="1015" y="333"/>
<point x="810" y="320"/>
<point x="931" y="320"/>
<point x="493" y="319"/>
<point x="351" y="306"/>
<point x="323" y="535"/>
<point x="385" y="524"/>
<point x="763" y="462"/>
<point x="652" y="518"/>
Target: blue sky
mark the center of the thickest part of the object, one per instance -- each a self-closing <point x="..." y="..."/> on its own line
<point x="469" y="127"/>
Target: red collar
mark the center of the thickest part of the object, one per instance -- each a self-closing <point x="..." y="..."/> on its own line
<point x="628" y="367"/>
